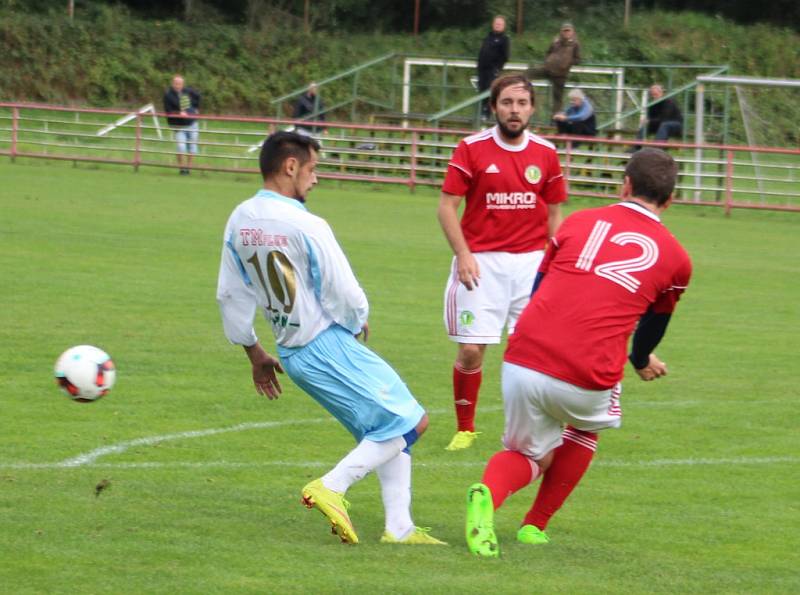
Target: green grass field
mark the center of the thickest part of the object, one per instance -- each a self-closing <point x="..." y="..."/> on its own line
<point x="698" y="492"/>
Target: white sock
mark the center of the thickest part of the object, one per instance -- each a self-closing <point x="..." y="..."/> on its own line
<point x="395" y="478"/>
<point x="365" y="457"/>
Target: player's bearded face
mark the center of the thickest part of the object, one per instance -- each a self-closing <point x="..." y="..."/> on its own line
<point x="513" y="110"/>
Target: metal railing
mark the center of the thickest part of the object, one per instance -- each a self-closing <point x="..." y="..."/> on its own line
<point x="726" y="176"/>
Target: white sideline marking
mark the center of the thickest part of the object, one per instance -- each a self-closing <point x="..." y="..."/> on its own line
<point x="91" y="457"/>
<point x="432" y="465"/>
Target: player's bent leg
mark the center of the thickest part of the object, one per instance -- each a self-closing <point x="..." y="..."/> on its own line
<point x="367" y="456"/>
<point x="479" y="530"/>
<point x="327" y="493"/>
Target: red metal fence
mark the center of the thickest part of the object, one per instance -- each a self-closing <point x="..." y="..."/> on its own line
<point x="716" y="175"/>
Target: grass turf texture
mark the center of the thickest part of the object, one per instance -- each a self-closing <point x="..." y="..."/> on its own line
<point x="697" y="492"/>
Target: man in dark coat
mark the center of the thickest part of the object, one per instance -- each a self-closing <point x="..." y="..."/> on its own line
<point x="494" y="53"/>
<point x="562" y="55"/>
<point x="309" y="107"/>
<point x="664" y="118"/>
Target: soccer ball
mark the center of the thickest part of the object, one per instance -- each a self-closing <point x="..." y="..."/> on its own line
<point x="85" y="373"/>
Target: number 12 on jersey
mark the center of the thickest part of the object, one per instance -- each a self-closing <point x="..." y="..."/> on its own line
<point x="618" y="271"/>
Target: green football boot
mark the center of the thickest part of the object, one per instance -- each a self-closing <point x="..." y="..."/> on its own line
<point x="532" y="535"/>
<point x="481" y="538"/>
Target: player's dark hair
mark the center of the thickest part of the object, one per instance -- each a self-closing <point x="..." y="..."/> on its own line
<point x="509" y="80"/>
<point x="652" y="174"/>
<point x="279" y="146"/>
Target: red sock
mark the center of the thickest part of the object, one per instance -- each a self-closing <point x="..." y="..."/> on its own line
<point x="466" y="384"/>
<point x="570" y="462"/>
<point x="508" y="471"/>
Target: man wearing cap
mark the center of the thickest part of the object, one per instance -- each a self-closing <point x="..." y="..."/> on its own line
<point x="563" y="54"/>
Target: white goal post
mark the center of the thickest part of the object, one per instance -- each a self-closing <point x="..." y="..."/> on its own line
<point x="618" y="75"/>
<point x="736" y="81"/>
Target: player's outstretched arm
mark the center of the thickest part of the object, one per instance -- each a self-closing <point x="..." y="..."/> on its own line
<point x="264" y="368"/>
<point x="468" y="270"/>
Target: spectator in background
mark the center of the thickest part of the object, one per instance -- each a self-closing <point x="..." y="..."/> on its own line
<point x="579" y="119"/>
<point x="180" y="103"/>
<point x="493" y="55"/>
<point x="664" y="119"/>
<point x="309" y="107"/>
<point x="563" y="54"/>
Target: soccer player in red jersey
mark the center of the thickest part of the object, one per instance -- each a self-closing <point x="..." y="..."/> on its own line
<point x="606" y="270"/>
<point x="513" y="186"/>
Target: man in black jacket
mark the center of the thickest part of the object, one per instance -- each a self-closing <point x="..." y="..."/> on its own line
<point x="664" y="119"/>
<point x="309" y="107"/>
<point x="493" y="55"/>
<point x="180" y="104"/>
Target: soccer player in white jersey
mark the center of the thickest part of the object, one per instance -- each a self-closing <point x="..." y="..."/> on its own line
<point x="607" y="271"/>
<point x="281" y="259"/>
<point x="513" y="186"/>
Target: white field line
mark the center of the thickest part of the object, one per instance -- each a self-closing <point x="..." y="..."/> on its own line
<point x="120" y="447"/>
<point x="641" y="464"/>
<point x="90" y="458"/>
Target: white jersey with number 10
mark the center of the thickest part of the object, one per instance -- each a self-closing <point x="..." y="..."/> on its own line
<point x="281" y="258"/>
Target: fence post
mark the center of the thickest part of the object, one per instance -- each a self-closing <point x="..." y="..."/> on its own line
<point x="412" y="180"/>
<point x="729" y="184"/>
<point x="137" y="153"/>
<point x="14" y="130"/>
<point x="567" y="163"/>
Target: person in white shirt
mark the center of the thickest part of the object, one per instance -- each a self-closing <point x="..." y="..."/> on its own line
<point x="280" y="258"/>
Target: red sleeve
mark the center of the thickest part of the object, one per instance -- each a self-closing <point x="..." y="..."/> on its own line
<point x="555" y="190"/>
<point x="666" y="302"/>
<point x="459" y="172"/>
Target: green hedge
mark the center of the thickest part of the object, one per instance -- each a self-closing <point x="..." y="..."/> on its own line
<point x="107" y="57"/>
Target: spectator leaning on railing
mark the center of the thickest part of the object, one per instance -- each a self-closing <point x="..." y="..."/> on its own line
<point x="180" y="103"/>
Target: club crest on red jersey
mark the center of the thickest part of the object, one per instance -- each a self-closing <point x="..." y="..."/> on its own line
<point x="533" y="174"/>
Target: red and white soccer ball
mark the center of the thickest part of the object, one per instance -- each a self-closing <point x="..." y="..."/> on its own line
<point x="85" y="373"/>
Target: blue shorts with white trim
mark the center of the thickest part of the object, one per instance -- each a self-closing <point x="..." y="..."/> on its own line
<point x="354" y="385"/>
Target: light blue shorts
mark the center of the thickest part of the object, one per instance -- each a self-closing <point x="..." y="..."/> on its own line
<point x="186" y="137"/>
<point x="354" y="385"/>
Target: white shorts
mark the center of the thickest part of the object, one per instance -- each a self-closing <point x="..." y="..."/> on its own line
<point x="537" y="406"/>
<point x="479" y="316"/>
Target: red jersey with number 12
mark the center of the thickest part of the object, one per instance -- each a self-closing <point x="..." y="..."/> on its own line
<point x="604" y="269"/>
<point x="508" y="188"/>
